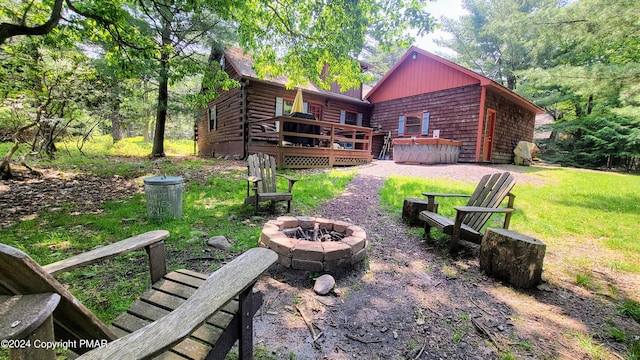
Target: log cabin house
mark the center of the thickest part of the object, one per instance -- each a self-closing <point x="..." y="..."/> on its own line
<point x="421" y="98"/>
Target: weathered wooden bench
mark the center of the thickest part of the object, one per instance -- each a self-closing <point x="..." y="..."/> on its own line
<point x="184" y="315"/>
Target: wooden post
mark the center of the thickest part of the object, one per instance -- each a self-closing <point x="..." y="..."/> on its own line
<point x="157" y="261"/>
<point x="28" y="321"/>
<point x="245" y="336"/>
<point x="411" y="209"/>
<point x="510" y="256"/>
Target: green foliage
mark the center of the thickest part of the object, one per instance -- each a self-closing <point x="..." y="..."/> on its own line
<point x="631" y="309"/>
<point x="130" y="147"/>
<point x="578" y="60"/>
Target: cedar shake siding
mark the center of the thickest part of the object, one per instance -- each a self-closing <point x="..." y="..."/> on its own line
<point x="454" y="112"/>
<point x="437" y="94"/>
<point x="513" y="124"/>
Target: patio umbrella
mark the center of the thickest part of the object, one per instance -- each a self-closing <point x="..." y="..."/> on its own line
<point x="297" y="103"/>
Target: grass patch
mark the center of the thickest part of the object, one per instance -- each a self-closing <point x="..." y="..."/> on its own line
<point x="572" y="208"/>
<point x="631" y="309"/>
<point x="211" y="206"/>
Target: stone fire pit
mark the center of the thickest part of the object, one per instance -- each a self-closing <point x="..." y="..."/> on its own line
<point x="314" y="244"/>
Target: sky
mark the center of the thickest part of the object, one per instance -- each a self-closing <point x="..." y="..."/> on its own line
<point x="440" y="8"/>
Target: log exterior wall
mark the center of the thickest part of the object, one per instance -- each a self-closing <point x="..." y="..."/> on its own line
<point x="227" y="139"/>
<point x="258" y="100"/>
<point x="454" y="112"/>
<point x="513" y="124"/>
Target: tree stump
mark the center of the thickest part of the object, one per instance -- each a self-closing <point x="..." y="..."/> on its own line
<point x="516" y="258"/>
<point x="411" y="209"/>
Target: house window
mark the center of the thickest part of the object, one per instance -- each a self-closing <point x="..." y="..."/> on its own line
<point x="286" y="106"/>
<point x="316" y="110"/>
<point x="212" y="117"/>
<point x="350" y="118"/>
<point x="413" y="124"/>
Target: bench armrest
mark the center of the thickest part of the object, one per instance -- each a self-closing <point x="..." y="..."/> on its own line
<point x="431" y="199"/>
<point x="222" y="286"/>
<point x="428" y="194"/>
<point x="153" y="241"/>
<point x="291" y="180"/>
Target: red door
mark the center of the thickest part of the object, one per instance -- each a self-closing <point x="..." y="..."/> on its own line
<point x="488" y="135"/>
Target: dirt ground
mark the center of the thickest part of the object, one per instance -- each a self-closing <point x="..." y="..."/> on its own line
<point x="410" y="299"/>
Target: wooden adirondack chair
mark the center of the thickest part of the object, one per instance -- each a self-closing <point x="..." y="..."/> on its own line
<point x="470" y="219"/>
<point x="184" y="315"/>
<point x="262" y="180"/>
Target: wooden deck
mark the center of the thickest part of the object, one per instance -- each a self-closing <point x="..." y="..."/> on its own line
<point x="301" y="143"/>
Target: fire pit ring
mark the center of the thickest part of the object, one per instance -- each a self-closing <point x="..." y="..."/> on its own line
<point x="344" y="244"/>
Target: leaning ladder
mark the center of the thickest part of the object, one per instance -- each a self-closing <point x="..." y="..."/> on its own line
<point x="385" y="146"/>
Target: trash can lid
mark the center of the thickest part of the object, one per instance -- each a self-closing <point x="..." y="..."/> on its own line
<point x="163" y="180"/>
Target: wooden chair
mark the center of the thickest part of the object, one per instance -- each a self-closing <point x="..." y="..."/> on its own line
<point x="262" y="179"/>
<point x="184" y="315"/>
<point x="470" y="219"/>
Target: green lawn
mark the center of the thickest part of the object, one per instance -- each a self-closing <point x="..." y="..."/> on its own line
<point x="212" y="205"/>
<point x="589" y="218"/>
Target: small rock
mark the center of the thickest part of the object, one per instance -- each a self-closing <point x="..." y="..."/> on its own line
<point x="219" y="242"/>
<point x="324" y="284"/>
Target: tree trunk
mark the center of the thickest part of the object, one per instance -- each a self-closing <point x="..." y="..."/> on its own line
<point x="516" y="258"/>
<point x="411" y="210"/>
<point x="116" y="126"/>
<point x="5" y="166"/>
<point x="163" y="91"/>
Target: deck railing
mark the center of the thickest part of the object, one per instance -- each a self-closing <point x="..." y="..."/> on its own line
<point x="302" y="143"/>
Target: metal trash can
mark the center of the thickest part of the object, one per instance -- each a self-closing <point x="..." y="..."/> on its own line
<point x="164" y="196"/>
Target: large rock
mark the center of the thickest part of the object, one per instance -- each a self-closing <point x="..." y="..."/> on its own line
<point x="219" y="242"/>
<point x="324" y="284"/>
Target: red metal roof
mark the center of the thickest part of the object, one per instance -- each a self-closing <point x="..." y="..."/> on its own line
<point x="420" y="71"/>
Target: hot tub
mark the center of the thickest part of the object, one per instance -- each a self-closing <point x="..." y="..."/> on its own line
<point x="426" y="150"/>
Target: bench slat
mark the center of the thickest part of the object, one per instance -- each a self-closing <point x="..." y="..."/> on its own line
<point x="220" y="288"/>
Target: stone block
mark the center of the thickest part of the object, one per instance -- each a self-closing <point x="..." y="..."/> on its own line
<point x="284" y="261"/>
<point x="356" y="243"/>
<point x="341" y="226"/>
<point x="359" y="256"/>
<point x="273" y="224"/>
<point x="352" y="229"/>
<point x="359" y="233"/>
<point x="288" y="221"/>
<point x="267" y="234"/>
<point x="307" y="265"/>
<point x="306" y="222"/>
<point x="334" y="250"/>
<point x="308" y="250"/>
<point x="281" y="244"/>
<point x="324" y="224"/>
